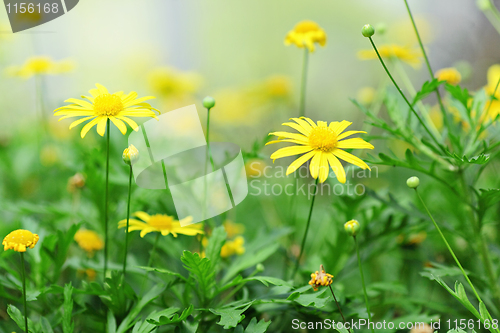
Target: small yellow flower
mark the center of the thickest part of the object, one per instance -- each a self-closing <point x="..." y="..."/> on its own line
<point x="102" y="105"/>
<point x="306" y="34"/>
<point x="278" y="86"/>
<point x="19" y="240"/>
<point x="40" y="65"/>
<point x="130" y="155"/>
<point x="450" y="75"/>
<point x="89" y="241"/>
<point x="170" y="82"/>
<point x="255" y="167"/>
<point x="233" y="247"/>
<point x="75" y="182"/>
<point x="233" y="229"/>
<point x="320" y="278"/>
<point x="89" y="272"/>
<point x="322" y="144"/>
<point x="404" y="53"/>
<point x="161" y="223"/>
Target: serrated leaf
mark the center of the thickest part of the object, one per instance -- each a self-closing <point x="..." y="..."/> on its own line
<point x="461" y="95"/>
<point x="68" y="324"/>
<point x="427" y="88"/>
<point x="214" y="246"/>
<point x="315" y="299"/>
<point x="165" y="317"/>
<point x="480" y="159"/>
<point x="257" y="327"/>
<point x="163" y="271"/>
<point x="231" y="316"/>
<point x="202" y="271"/>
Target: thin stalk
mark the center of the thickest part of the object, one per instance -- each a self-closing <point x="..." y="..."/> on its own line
<point x="305" y="63"/>
<point x="363" y="282"/>
<point x="428" y="64"/>
<point x="307" y="228"/>
<point x="338" y="306"/>
<point x="128" y="220"/>
<point x="150" y="261"/>
<point x="106" y="199"/>
<point x="451" y="252"/>
<point x="403" y="95"/>
<point x="208" y="157"/>
<point x="23" y="275"/>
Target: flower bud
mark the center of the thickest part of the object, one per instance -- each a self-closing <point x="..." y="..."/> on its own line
<point x="413" y="182"/>
<point x="130" y="155"/>
<point x="368" y="30"/>
<point x="351" y="227"/>
<point x="209" y="102"/>
<point x="259" y="267"/>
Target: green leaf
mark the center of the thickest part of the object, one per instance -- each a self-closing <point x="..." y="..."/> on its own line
<point x="165" y="317"/>
<point x="17" y="316"/>
<point x="68" y="324"/>
<point x="215" y="243"/>
<point x="315" y="299"/>
<point x="480" y="159"/>
<point x="45" y="325"/>
<point x="145" y="300"/>
<point x="488" y="198"/>
<point x="461" y="95"/>
<point x="110" y="322"/>
<point x="483" y="311"/>
<point x="143" y="327"/>
<point x="231" y="316"/>
<point x="257" y="327"/>
<point x="164" y="271"/>
<point x="427" y="88"/>
<point x="202" y="271"/>
<point x="266" y="280"/>
<point x="341" y="330"/>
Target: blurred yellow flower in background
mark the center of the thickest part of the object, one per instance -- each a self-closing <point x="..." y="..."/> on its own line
<point x="366" y="95"/>
<point x="306" y="34"/>
<point x="49" y="155"/>
<point x="75" y="182"/>
<point x="277" y="86"/>
<point x="102" y="106"/>
<point x="409" y="55"/>
<point x="19" y="240"/>
<point x="255" y="167"/>
<point x="89" y="241"/>
<point x="233" y="247"/>
<point x="161" y="223"/>
<point x="171" y="82"/>
<point x="322" y="144"/>
<point x="450" y="75"/>
<point x="41" y="65"/>
<point x="233" y="229"/>
<point x="493" y="107"/>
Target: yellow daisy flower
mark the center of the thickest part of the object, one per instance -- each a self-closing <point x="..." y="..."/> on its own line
<point x="102" y="105"/>
<point x="40" y="65"/>
<point x="233" y="229"/>
<point x="89" y="241"/>
<point x="19" y="240"/>
<point x="306" y="34"/>
<point x="450" y="75"/>
<point x="233" y="247"/>
<point x="322" y="144"/>
<point x="161" y="223"/>
<point x="404" y="53"/>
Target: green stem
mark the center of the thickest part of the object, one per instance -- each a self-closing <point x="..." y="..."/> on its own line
<point x="338" y="307"/>
<point x="106" y="199"/>
<point x="403" y="95"/>
<point x="363" y="282"/>
<point x="307" y="229"/>
<point x="305" y="62"/>
<point x="128" y="220"/>
<point x="150" y="261"/>
<point x="23" y="276"/>
<point x="452" y="253"/>
<point x="428" y="64"/>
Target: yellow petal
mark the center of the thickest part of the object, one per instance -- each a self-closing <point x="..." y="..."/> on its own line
<point x="84" y="104"/>
<point x="298" y="162"/>
<point x="355" y="143"/>
<point x="309" y="120"/>
<point x="118" y="123"/>
<point x="88" y="126"/>
<point x="79" y="121"/>
<point x="337" y="168"/>
<point x="101" y="125"/>
<point x="130" y="122"/>
<point x="324" y="169"/>
<point x="143" y="216"/>
<point x="290" y="151"/>
<point x="287" y="140"/>
<point x="102" y="90"/>
<point x="287" y="135"/>
<point x="298" y="128"/>
<point x="339" y="127"/>
<point x="348" y="133"/>
<point x="315" y="163"/>
<point x="350" y="158"/>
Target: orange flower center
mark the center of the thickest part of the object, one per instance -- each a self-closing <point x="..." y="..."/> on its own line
<point x="108" y="105"/>
<point x="161" y="222"/>
<point x="323" y="138"/>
